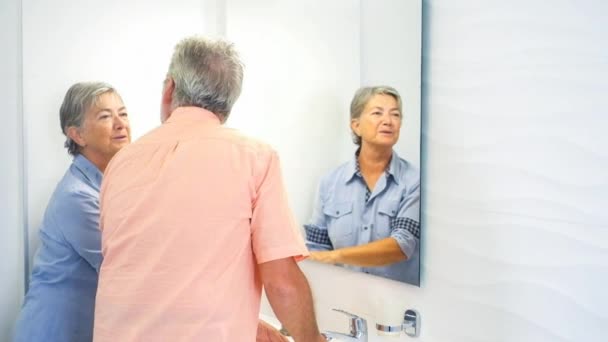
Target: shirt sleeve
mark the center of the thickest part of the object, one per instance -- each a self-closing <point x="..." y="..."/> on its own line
<point x="79" y="222"/>
<point x="317" y="237"/>
<point x="274" y="232"/>
<point x="405" y="227"/>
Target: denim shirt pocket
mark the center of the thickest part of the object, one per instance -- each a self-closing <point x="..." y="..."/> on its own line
<point x="387" y="211"/>
<point x="340" y="223"/>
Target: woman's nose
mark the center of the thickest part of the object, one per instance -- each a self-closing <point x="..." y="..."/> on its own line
<point x="387" y="120"/>
<point x="120" y="122"/>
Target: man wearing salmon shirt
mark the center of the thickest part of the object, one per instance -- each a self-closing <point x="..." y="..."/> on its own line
<point x="195" y="220"/>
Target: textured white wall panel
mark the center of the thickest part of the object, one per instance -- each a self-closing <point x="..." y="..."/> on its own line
<point x="516" y="173"/>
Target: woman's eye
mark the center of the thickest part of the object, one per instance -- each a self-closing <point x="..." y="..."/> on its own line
<point x="124" y="114"/>
<point x="103" y="117"/>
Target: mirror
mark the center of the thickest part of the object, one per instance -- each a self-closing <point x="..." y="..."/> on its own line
<point x="304" y="60"/>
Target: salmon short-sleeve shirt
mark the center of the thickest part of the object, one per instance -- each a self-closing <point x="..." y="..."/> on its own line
<point x="187" y="212"/>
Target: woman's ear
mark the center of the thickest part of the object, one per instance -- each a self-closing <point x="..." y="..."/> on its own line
<point x="73" y="133"/>
<point x="354" y="125"/>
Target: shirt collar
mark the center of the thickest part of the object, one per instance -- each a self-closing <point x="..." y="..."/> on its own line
<point x="190" y="114"/>
<point x="88" y="169"/>
<point x="394" y="167"/>
<point x="352" y="168"/>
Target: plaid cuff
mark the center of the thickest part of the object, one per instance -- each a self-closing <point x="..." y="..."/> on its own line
<point x="407" y="224"/>
<point x="317" y="236"/>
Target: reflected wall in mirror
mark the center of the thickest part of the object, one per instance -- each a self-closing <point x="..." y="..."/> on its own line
<point x="304" y="60"/>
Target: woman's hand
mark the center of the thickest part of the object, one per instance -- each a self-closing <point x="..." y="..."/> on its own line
<point x="328" y="257"/>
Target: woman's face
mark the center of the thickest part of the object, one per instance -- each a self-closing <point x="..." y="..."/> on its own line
<point x="105" y="129"/>
<point x="380" y="122"/>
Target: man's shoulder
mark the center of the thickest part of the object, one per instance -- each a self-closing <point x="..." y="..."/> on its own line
<point x="246" y="142"/>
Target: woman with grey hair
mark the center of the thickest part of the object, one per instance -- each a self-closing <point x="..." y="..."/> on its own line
<point x="366" y="215"/>
<point x="59" y="304"/>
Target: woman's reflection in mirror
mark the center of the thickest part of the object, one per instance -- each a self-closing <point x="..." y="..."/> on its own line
<point x="366" y="215"/>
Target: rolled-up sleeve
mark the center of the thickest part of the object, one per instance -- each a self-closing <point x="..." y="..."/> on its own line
<point x="405" y="227"/>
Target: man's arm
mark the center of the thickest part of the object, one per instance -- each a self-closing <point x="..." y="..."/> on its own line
<point x="289" y="295"/>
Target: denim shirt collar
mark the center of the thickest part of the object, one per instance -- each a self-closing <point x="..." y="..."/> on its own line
<point x="90" y="171"/>
<point x="392" y="170"/>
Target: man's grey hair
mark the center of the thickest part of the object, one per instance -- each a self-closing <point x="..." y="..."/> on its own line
<point x="77" y="101"/>
<point x="207" y="74"/>
<point x="362" y="96"/>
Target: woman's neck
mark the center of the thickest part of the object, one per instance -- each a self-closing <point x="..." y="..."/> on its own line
<point x="374" y="160"/>
<point x="99" y="161"/>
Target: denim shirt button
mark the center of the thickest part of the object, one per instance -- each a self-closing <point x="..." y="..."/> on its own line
<point x="337" y="213"/>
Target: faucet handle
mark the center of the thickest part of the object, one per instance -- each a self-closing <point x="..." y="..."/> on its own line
<point x="348" y="314"/>
<point x="358" y="325"/>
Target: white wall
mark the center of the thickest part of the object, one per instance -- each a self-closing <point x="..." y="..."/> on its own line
<point x="302" y="66"/>
<point x="391" y="55"/>
<point x="125" y="43"/>
<point x="11" y="200"/>
<point x="517" y="231"/>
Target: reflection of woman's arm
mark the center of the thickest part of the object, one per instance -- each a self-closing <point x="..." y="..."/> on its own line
<point x="377" y="253"/>
<point x="402" y="242"/>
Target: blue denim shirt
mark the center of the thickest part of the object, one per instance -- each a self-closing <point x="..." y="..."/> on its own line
<point x="60" y="302"/>
<point x="346" y="213"/>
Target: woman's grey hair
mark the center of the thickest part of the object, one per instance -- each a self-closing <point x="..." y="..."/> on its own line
<point x="207" y="74"/>
<point x="79" y="98"/>
<point x="362" y="96"/>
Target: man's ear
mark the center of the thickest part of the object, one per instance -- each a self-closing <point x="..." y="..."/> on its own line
<point x="168" y="92"/>
<point x="73" y="133"/>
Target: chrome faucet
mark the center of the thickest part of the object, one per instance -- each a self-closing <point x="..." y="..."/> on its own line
<point x="358" y="329"/>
